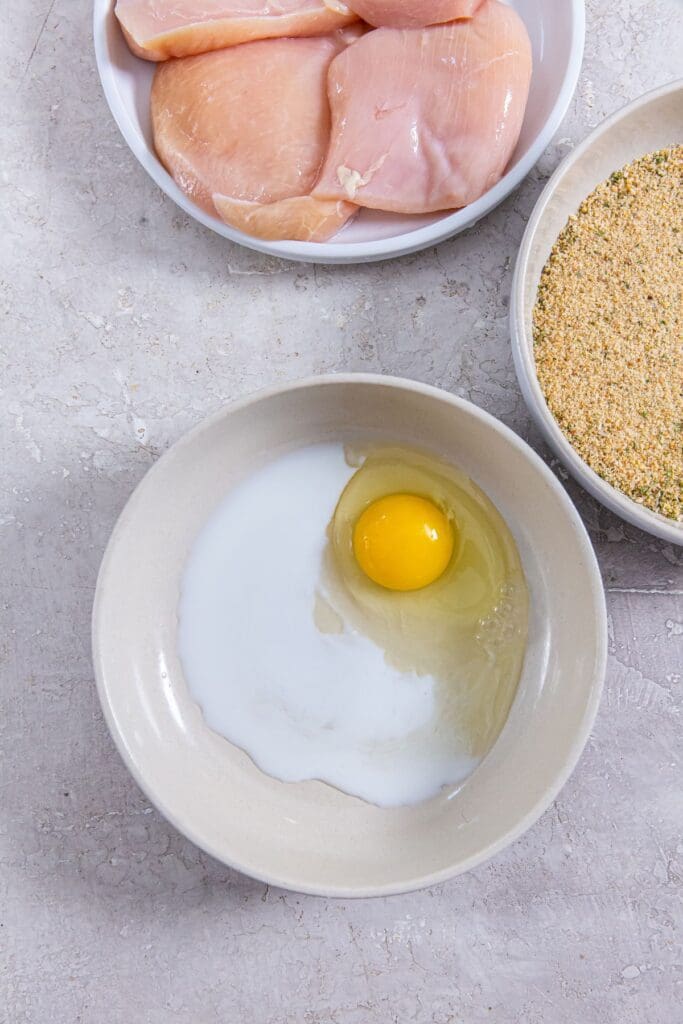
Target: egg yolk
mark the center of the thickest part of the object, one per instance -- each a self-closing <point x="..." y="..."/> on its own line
<point x="403" y="542"/>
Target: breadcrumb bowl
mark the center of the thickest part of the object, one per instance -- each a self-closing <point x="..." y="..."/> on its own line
<point x="652" y="122"/>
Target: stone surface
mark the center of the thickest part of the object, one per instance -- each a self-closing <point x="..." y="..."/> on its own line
<point x="123" y="324"/>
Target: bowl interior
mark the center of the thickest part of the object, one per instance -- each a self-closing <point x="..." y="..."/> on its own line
<point x="650" y="123"/>
<point x="309" y="836"/>
<point x="556" y="32"/>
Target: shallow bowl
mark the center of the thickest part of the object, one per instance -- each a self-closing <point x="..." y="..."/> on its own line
<point x="557" y="36"/>
<point x="308" y="836"/>
<point x="651" y="122"/>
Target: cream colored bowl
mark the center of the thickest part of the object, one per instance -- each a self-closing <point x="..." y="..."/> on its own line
<point x="309" y="836"/>
<point x="651" y="122"/>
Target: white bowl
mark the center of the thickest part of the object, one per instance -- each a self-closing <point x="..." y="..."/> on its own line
<point x="651" y="122"/>
<point x="557" y="35"/>
<point x="308" y="836"/>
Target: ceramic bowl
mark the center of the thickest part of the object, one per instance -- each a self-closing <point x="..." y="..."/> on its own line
<point x="308" y="836"/>
<point x="557" y="35"/>
<point x="651" y="122"/>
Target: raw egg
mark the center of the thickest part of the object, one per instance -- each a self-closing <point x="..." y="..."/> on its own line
<point x="403" y="541"/>
<point x="422" y="563"/>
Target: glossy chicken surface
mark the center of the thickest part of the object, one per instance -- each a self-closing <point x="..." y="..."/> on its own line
<point x="412" y="14"/>
<point x="427" y="119"/>
<point x="251" y="123"/>
<point x="301" y="219"/>
<point x="159" y="29"/>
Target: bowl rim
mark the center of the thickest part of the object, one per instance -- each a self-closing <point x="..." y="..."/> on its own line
<point x="336" y="252"/>
<point x="578" y="743"/>
<point x="522" y="345"/>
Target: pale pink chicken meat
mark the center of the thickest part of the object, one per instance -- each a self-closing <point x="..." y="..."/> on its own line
<point x="250" y="126"/>
<point x="302" y="219"/>
<point x="412" y="13"/>
<point x="427" y="119"/>
<point x="159" y="29"/>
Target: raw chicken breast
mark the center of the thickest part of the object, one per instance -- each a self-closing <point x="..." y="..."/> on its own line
<point x="412" y="13"/>
<point x="158" y="29"/>
<point x="303" y="218"/>
<point x="427" y="119"/>
<point x="252" y="124"/>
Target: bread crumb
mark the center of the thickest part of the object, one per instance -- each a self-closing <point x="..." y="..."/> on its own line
<point x="608" y="338"/>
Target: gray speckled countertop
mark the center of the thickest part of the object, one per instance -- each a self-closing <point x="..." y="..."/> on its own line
<point x="123" y="324"/>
